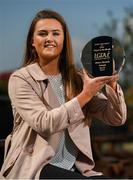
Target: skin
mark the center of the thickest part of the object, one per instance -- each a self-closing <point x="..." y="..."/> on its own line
<point x="95" y="85"/>
<point x="48" y="40"/>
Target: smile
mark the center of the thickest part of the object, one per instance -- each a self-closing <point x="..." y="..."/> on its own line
<point x="49" y="45"/>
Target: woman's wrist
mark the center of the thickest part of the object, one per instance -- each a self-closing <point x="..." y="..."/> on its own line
<point x="83" y="98"/>
<point x="113" y="86"/>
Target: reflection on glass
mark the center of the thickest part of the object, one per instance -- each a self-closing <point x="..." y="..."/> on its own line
<point x="103" y="56"/>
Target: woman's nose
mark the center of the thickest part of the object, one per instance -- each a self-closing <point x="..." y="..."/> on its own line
<point x="49" y="37"/>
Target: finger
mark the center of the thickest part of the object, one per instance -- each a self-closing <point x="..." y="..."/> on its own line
<point x="82" y="73"/>
<point x="103" y="79"/>
<point x="115" y="77"/>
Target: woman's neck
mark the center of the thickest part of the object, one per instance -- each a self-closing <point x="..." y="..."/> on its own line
<point x="51" y="68"/>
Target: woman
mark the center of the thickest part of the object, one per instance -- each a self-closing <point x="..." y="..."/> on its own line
<point x="52" y="106"/>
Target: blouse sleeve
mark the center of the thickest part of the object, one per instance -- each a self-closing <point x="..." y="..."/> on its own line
<point x="110" y="108"/>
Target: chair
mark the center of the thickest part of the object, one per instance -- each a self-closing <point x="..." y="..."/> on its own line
<point x="6" y="123"/>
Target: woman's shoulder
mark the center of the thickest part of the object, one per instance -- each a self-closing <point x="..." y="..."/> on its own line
<point x="19" y="72"/>
<point x="30" y="71"/>
<point x="22" y="71"/>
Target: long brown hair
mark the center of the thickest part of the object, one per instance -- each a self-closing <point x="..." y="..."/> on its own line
<point x="71" y="80"/>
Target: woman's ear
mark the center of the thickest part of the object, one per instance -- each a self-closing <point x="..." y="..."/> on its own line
<point x="32" y="42"/>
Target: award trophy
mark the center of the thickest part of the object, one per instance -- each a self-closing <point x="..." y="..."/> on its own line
<point x="102" y="56"/>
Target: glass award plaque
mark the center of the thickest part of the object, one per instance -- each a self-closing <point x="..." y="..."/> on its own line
<point x="103" y="56"/>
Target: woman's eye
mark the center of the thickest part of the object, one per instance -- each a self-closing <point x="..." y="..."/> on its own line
<point x="56" y="34"/>
<point x="42" y="34"/>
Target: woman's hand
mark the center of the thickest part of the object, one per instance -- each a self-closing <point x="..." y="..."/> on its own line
<point x="113" y="82"/>
<point x="91" y="86"/>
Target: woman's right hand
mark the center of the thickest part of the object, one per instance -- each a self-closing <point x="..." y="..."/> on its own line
<point x="91" y="86"/>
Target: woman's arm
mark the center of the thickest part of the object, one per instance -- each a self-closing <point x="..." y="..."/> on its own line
<point x="32" y="109"/>
<point x="110" y="108"/>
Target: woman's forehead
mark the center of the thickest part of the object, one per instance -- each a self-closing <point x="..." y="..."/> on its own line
<point x="48" y="24"/>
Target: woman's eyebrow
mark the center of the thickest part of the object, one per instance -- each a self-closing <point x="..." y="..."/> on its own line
<point x="53" y="30"/>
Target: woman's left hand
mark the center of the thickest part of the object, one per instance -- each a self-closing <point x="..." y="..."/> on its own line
<point x="113" y="82"/>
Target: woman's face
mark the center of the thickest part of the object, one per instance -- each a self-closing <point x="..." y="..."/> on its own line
<point x="48" y="39"/>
